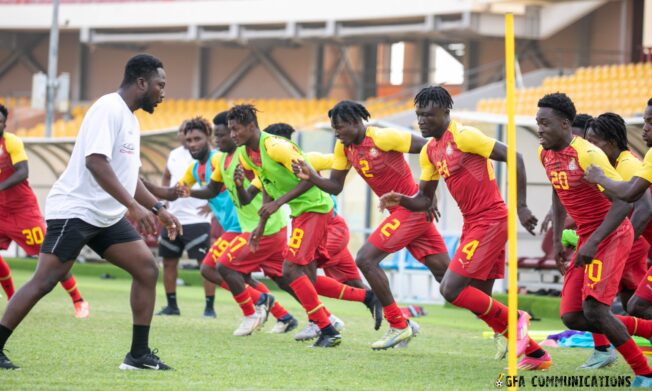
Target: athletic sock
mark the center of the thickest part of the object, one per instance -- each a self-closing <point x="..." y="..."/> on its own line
<point x="334" y="289"/>
<point x="309" y="299"/>
<point x="394" y="316"/>
<point x="245" y="302"/>
<point x="637" y="326"/>
<point x="70" y="285"/>
<point x="140" y="340"/>
<point x="172" y="299"/>
<point x="5" y="279"/>
<point x="5" y="333"/>
<point x="278" y="311"/>
<point x="600" y="342"/>
<point x="634" y="357"/>
<point x="210" y="301"/>
<point x="260" y="287"/>
<point x="533" y="349"/>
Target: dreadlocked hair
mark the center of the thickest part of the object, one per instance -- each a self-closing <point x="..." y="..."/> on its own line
<point x="243" y="114"/>
<point x="435" y="94"/>
<point x="610" y="126"/>
<point x="197" y="123"/>
<point x="349" y="111"/>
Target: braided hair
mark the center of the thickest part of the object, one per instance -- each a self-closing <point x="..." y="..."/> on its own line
<point x="243" y="114"/>
<point x="349" y="111"/>
<point x="610" y="126"/>
<point x="435" y="94"/>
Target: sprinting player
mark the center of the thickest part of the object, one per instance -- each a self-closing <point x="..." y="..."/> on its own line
<point x="20" y="216"/>
<point x="197" y="133"/>
<point x="196" y="232"/>
<point x="341" y="266"/>
<point x="609" y="133"/>
<point x="606" y="235"/>
<point x="377" y="155"/>
<point x="270" y="157"/>
<point x="235" y="262"/>
<point x="640" y="304"/>
<point x="578" y="128"/>
<point x="88" y="202"/>
<point x="460" y="155"/>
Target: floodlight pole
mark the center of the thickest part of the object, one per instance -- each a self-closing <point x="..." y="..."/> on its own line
<point x="53" y="55"/>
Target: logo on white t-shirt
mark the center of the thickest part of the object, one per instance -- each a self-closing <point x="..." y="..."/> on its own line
<point x="127" y="148"/>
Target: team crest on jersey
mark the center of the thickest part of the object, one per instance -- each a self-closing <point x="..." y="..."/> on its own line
<point x="572" y="166"/>
<point x="449" y="149"/>
<point x="373" y="152"/>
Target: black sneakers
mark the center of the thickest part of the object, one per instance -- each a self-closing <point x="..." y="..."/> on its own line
<point x="5" y="362"/>
<point x="372" y="302"/>
<point x="147" y="361"/>
<point x="167" y="310"/>
<point x="328" y="341"/>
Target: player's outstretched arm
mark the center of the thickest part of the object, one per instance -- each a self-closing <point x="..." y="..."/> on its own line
<point x="416" y="143"/>
<point x="642" y="214"/>
<point x="160" y="192"/>
<point x="558" y="218"/>
<point x="21" y="174"/>
<point x="332" y="185"/>
<point x="616" y="214"/>
<point x="207" y="192"/>
<point x="424" y="200"/>
<point x="629" y="191"/>
<point x="525" y="216"/>
<point x="271" y="206"/>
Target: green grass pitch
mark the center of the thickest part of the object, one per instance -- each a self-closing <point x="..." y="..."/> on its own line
<point x="58" y="352"/>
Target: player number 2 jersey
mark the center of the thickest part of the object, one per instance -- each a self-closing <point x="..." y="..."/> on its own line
<point x="583" y="201"/>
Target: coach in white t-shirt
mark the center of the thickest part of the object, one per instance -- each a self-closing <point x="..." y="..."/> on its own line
<point x="196" y="232"/>
<point x="87" y="206"/>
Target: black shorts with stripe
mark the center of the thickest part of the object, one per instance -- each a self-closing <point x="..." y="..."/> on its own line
<point x="65" y="238"/>
<point x="196" y="240"/>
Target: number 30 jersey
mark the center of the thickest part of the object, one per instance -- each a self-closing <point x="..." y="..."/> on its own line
<point x="379" y="160"/>
<point x="583" y="201"/>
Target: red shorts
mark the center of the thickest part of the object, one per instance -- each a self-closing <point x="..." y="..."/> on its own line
<point x="338" y="236"/>
<point x="341" y="265"/>
<point x="268" y="257"/>
<point x="218" y="248"/>
<point x="309" y="237"/>
<point x="404" y="228"/>
<point x="636" y="265"/>
<point x="644" y="290"/>
<point x="481" y="253"/>
<point x="601" y="278"/>
<point x="25" y="227"/>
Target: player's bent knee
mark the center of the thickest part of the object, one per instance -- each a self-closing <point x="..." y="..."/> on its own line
<point x="639" y="308"/>
<point x="572" y="320"/>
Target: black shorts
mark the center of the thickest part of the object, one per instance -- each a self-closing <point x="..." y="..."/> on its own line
<point x="65" y="238"/>
<point x="196" y="240"/>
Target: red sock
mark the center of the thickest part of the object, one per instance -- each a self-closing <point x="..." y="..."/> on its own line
<point x="334" y="289"/>
<point x="254" y="293"/>
<point x="600" y="340"/>
<point x="261" y="287"/>
<point x="532" y="347"/>
<point x="637" y="326"/>
<point x="245" y="303"/>
<point x="5" y="279"/>
<point x="634" y="357"/>
<point x="308" y="298"/>
<point x="70" y="285"/>
<point x="394" y="316"/>
<point x="278" y="311"/>
<point x="492" y="312"/>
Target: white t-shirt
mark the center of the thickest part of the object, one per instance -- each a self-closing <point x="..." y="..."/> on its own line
<point x="110" y="129"/>
<point x="184" y="208"/>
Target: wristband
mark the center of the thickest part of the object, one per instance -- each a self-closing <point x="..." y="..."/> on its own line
<point x="157" y="207"/>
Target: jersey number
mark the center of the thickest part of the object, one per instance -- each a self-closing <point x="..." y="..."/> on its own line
<point x="295" y="239"/>
<point x="442" y="167"/>
<point x="559" y="180"/>
<point x="364" y="167"/>
<point x="33" y="236"/>
<point x="594" y="270"/>
<point x="392" y="225"/>
<point x="469" y="249"/>
<point x="219" y="247"/>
